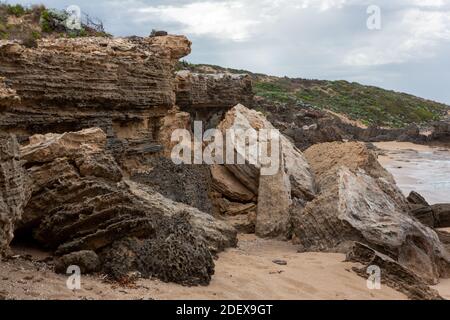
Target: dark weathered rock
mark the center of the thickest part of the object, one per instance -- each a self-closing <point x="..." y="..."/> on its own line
<point x="441" y="131"/>
<point x="442" y="215"/>
<point x="188" y="184"/>
<point x="14" y="189"/>
<point x="158" y="33"/>
<point x="87" y="261"/>
<point x="424" y="214"/>
<point x="81" y="202"/>
<point x="393" y="274"/>
<point x="415" y="198"/>
<point x="175" y="254"/>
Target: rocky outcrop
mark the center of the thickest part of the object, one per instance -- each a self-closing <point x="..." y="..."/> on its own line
<point x="94" y="72"/>
<point x="329" y="157"/>
<point x="435" y="216"/>
<point x="357" y="202"/>
<point x="124" y="86"/>
<point x="291" y="181"/>
<point x="392" y="274"/>
<point x="220" y="91"/>
<point x="14" y="189"/>
<point x="306" y="125"/>
<point x="80" y="201"/>
<point x="442" y="214"/>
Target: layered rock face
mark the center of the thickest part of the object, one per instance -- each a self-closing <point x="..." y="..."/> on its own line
<point x="123" y="86"/>
<point x="357" y="202"/>
<point x="14" y="189"/>
<point x="81" y="202"/>
<point x="220" y="91"/>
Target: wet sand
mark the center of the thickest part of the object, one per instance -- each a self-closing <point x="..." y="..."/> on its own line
<point x="420" y="168"/>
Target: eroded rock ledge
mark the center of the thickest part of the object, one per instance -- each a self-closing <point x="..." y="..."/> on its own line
<point x="81" y="202"/>
<point x="124" y="86"/>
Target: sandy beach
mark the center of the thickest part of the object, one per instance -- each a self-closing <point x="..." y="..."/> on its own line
<point x="246" y="272"/>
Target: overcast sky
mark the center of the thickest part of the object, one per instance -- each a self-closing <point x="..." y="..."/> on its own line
<point x="320" y="39"/>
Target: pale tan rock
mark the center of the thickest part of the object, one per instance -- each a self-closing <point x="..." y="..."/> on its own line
<point x="226" y="183"/>
<point x="295" y="164"/>
<point x="244" y="223"/>
<point x="293" y="180"/>
<point x="175" y="119"/>
<point x="324" y="157"/>
<point x="177" y="45"/>
<point x="197" y="91"/>
<point x="229" y="208"/>
<point x="273" y="217"/>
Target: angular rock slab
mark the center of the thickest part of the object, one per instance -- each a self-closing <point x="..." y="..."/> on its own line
<point x="226" y="183"/>
<point x="356" y="207"/>
<point x="293" y="179"/>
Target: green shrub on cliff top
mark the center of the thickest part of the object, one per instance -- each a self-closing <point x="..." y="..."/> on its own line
<point x="371" y="105"/>
<point x="16" y="10"/>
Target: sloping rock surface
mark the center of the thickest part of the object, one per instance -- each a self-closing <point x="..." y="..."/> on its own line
<point x="223" y="91"/>
<point x="359" y="205"/>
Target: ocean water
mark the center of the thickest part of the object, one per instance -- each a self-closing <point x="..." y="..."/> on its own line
<point x="419" y="168"/>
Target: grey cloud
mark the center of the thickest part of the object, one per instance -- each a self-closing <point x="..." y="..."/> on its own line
<point x="309" y="42"/>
